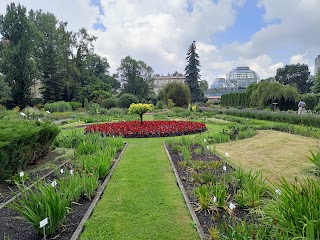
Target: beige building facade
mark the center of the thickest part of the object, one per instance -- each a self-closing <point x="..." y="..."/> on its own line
<point x="160" y="81"/>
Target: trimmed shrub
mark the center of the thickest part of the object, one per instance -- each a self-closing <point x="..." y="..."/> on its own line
<point x="126" y="99"/>
<point x="109" y="103"/>
<point x="22" y="143"/>
<point x="75" y="105"/>
<point x="60" y="106"/>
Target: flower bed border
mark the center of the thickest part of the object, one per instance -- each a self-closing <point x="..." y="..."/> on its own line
<point x="195" y="219"/>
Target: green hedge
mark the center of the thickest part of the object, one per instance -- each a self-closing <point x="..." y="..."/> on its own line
<point x="60" y="106"/>
<point x="23" y="142"/>
<point x="303" y="119"/>
<point x="236" y="99"/>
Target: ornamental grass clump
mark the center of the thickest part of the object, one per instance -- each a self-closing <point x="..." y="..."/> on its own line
<point x="44" y="201"/>
<point x="315" y="159"/>
<point x="140" y="109"/>
<point x="295" y="210"/>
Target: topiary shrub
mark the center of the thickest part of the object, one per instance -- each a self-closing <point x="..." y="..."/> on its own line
<point x="126" y="99"/>
<point x="60" y="106"/>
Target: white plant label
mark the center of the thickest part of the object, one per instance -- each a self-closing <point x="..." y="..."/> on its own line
<point x="232" y="206"/>
<point x="23" y="114"/>
<point x="214" y="199"/>
<point x="48" y="112"/>
<point x="54" y="183"/>
<point x="205" y="140"/>
<point x="224" y="168"/>
<point x="208" y="147"/>
<point x="43" y="222"/>
<point x="21" y="174"/>
<point x="61" y="170"/>
<point x="227" y="154"/>
<point x="278" y="191"/>
<point x="71" y="171"/>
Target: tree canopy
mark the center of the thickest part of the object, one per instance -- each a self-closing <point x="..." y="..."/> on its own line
<point x="140" y="109"/>
<point x="296" y="75"/>
<point x="36" y="46"/>
<point x="316" y="83"/>
<point x="136" y="78"/>
<point x="178" y="93"/>
<point x="193" y="73"/>
<point x="266" y="93"/>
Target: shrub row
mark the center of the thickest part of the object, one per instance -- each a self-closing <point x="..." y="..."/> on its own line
<point x="23" y="142"/>
<point x="304" y="119"/>
<point x="236" y="99"/>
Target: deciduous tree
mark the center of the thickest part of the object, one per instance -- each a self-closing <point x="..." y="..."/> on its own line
<point x="178" y="93"/>
<point x="136" y="77"/>
<point x="296" y="75"/>
<point x="140" y="109"/>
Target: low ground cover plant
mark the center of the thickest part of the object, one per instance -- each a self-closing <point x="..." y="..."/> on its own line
<point x="147" y="129"/>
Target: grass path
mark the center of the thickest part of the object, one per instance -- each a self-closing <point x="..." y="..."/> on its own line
<point x="142" y="199"/>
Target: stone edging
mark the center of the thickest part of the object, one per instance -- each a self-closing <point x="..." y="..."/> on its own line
<point x="79" y="229"/>
<point x="186" y="199"/>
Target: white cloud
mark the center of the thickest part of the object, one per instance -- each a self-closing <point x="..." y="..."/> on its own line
<point x="160" y="32"/>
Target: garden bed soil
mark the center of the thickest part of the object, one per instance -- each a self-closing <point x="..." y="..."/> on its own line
<point x="14" y="226"/>
<point x="40" y="168"/>
<point x="212" y="218"/>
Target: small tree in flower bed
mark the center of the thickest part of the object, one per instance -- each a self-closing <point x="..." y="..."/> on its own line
<point x="140" y="108"/>
<point x="148" y="129"/>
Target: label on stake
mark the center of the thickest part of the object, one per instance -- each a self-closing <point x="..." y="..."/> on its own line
<point x="224" y="168"/>
<point x="227" y="154"/>
<point x="21" y="174"/>
<point x="54" y="183"/>
<point x="71" y="171"/>
<point x="214" y="199"/>
<point x="232" y="206"/>
<point x="43" y="222"/>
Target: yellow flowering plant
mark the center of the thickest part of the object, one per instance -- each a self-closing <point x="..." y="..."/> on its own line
<point x="140" y="109"/>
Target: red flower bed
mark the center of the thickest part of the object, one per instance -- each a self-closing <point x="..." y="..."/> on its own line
<point x="147" y="129"/>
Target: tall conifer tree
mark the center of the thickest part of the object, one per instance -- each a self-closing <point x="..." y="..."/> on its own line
<point x="193" y="73"/>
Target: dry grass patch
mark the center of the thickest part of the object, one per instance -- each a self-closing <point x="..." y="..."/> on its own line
<point x="276" y="154"/>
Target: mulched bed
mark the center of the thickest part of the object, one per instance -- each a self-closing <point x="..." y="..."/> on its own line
<point x="14" y="226"/>
<point x="206" y="219"/>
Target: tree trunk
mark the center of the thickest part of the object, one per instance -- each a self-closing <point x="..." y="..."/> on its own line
<point x="140" y="119"/>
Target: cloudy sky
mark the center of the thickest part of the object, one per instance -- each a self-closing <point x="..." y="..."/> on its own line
<point x="261" y="34"/>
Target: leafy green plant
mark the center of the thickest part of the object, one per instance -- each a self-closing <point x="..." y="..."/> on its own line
<point x="315" y="159"/>
<point x="198" y="150"/>
<point x="186" y="154"/>
<point x="220" y="191"/>
<point x="296" y="209"/>
<point x="90" y="182"/>
<point x="205" y="201"/>
<point x="44" y="201"/>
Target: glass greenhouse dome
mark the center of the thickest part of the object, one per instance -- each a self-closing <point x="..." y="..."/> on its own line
<point x="242" y="77"/>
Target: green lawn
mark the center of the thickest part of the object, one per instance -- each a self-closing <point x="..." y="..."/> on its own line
<point x="142" y="199"/>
